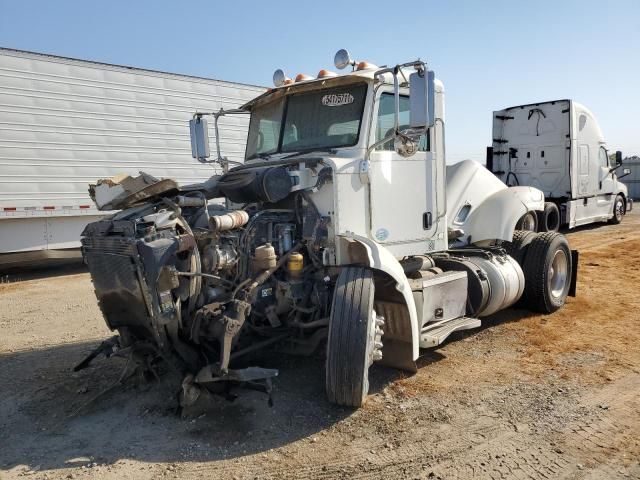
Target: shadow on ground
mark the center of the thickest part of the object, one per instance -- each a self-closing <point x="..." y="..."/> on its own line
<point x="43" y="269"/>
<point x="54" y="418"/>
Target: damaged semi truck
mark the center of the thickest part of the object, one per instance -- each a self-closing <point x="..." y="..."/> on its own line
<point x="342" y="230"/>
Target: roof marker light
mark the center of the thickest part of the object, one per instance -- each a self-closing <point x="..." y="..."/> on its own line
<point x="303" y="77"/>
<point x="326" y="74"/>
<point x="365" y="66"/>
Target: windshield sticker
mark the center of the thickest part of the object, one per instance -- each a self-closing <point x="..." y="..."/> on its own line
<point x="337" y="99"/>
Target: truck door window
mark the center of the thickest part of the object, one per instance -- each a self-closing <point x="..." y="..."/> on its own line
<point x="385" y="120"/>
<point x="603" y="158"/>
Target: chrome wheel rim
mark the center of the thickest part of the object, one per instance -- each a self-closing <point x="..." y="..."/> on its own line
<point x="529" y="222"/>
<point x="558" y="273"/>
<point x="374" y="347"/>
<point x="619" y="209"/>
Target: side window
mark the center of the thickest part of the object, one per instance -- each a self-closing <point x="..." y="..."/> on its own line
<point x="268" y="135"/>
<point x="603" y="158"/>
<point x="384" y="122"/>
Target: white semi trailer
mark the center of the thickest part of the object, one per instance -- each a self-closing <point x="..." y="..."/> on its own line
<point x="558" y="147"/>
<point x="65" y="123"/>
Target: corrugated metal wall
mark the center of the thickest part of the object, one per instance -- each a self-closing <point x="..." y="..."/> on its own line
<point x="632" y="181"/>
<point x="65" y="123"/>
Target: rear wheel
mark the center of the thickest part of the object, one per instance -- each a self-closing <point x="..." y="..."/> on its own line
<point x="549" y="218"/>
<point x="618" y="210"/>
<point x="354" y="338"/>
<point x="517" y="247"/>
<point x="529" y="221"/>
<point x="547" y="270"/>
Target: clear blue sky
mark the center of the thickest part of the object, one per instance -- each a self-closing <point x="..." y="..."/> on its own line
<point x="489" y="54"/>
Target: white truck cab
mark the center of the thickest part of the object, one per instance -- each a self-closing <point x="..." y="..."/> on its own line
<point x="558" y="147"/>
<point x="342" y="224"/>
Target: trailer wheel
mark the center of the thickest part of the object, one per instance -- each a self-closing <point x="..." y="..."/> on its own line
<point x="517" y="247"/>
<point x="351" y="344"/>
<point x="529" y="221"/>
<point x="547" y="272"/>
<point x="618" y="210"/>
<point x="549" y="218"/>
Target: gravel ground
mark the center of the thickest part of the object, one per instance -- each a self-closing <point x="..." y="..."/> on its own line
<point x="526" y="396"/>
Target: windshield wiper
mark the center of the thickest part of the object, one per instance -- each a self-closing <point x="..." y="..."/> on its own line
<point x="318" y="150"/>
<point x="262" y="156"/>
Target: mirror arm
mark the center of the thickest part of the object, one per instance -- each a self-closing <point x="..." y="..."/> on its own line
<point x="222" y="161"/>
<point x="377" y="144"/>
<point x="419" y="66"/>
<point x="396" y="95"/>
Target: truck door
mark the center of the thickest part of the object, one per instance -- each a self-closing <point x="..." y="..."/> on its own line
<point x="402" y="189"/>
<point x="606" y="182"/>
<point x="583" y="170"/>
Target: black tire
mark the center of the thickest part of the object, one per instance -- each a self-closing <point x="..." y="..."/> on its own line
<point x="517" y="247"/>
<point x="547" y="273"/>
<point x="351" y="338"/>
<point x="529" y="221"/>
<point x="549" y="218"/>
<point x="619" y="209"/>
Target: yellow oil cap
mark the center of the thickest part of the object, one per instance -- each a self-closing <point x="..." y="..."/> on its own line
<point x="295" y="264"/>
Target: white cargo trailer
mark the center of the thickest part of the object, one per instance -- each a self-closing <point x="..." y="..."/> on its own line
<point x="64" y="123"/>
<point x="558" y="147"/>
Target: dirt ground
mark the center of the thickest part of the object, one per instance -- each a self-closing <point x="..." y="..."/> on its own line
<point x="526" y="396"/>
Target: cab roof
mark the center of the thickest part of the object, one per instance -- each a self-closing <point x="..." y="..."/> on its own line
<point x="358" y="76"/>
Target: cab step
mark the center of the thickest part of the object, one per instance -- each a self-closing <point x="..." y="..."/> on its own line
<point x="434" y="334"/>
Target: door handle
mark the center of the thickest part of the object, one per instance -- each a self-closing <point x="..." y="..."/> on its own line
<point x="426" y="220"/>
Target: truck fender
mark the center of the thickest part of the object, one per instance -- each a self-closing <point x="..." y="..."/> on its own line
<point x="496" y="217"/>
<point x="400" y="353"/>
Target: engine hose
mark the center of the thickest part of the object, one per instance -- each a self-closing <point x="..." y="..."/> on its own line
<point x="206" y="275"/>
<point x="228" y="221"/>
<point x="262" y="277"/>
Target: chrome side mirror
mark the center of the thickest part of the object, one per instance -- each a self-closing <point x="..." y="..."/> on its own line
<point x="405" y="146"/>
<point x="199" y="138"/>
<point x="422" y="99"/>
<point x="625" y="172"/>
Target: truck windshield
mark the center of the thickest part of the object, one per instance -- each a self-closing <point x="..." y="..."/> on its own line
<point x="319" y="119"/>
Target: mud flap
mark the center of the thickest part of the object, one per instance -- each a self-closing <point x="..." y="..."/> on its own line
<point x="397" y="349"/>
<point x="574" y="272"/>
<point x="398" y="354"/>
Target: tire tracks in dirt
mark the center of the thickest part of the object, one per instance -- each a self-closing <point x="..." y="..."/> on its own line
<point x="596" y="444"/>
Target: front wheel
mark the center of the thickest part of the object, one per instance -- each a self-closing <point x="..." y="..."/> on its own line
<point x="354" y="338"/>
<point x="618" y="210"/>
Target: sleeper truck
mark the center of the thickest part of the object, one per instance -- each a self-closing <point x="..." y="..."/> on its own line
<point x="558" y="147"/>
<point x="342" y="232"/>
